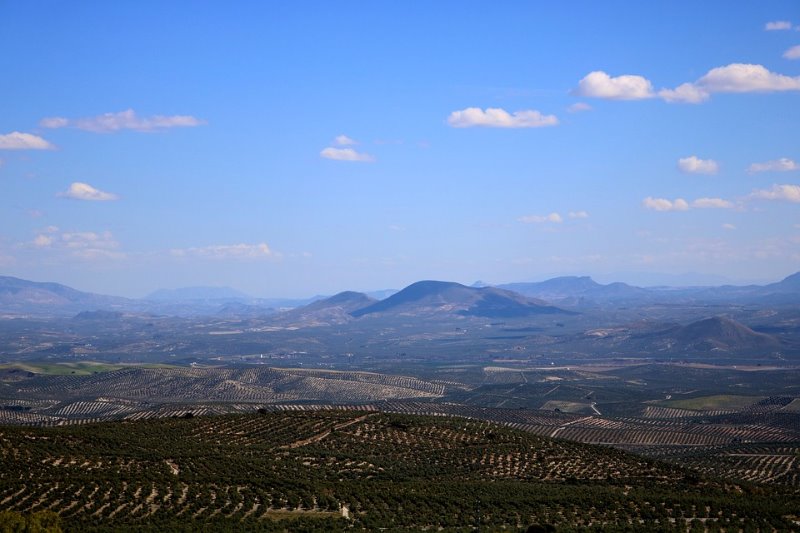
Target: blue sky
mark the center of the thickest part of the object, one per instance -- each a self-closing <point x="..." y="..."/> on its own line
<point x="310" y="147"/>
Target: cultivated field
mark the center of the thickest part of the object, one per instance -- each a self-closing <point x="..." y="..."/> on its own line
<point x="363" y="469"/>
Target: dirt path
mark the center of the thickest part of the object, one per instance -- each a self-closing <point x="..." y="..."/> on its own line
<point x="564" y="426"/>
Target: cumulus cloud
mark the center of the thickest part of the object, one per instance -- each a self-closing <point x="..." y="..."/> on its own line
<point x="745" y="78"/>
<point x="712" y="203"/>
<point x="792" y="53"/>
<point x="578" y="214"/>
<point x="123" y="120"/>
<point x="344" y="140"/>
<point x="84" y="191"/>
<point x="695" y="165"/>
<point x="728" y="226"/>
<point x="787" y="193"/>
<point x="777" y="25"/>
<point x="23" y="141"/>
<point x="346" y="154"/>
<point x="538" y="219"/>
<point x="598" y="84"/>
<point x="784" y="164"/>
<point x="662" y="204"/>
<point x="494" y="117"/>
<point x="733" y="78"/>
<point x="579" y="107"/>
<point x="226" y="251"/>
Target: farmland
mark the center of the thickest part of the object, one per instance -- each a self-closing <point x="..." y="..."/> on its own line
<point x="698" y="421"/>
<point x="333" y="469"/>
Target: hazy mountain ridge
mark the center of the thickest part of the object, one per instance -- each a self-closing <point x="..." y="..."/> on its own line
<point x="20" y="297"/>
<point x="577" y="290"/>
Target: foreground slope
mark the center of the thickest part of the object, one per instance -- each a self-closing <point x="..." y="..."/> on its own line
<point x="364" y="470"/>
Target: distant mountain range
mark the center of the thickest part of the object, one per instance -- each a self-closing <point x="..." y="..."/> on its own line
<point x="576" y="290"/>
<point x="581" y="291"/>
<point x="557" y="295"/>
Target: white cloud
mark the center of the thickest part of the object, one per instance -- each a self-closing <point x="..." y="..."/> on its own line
<point x="345" y="154"/>
<point x="728" y="226"/>
<point x="344" y="140"/>
<point x="84" y="191"/>
<point x="578" y="214"/>
<point x="712" y="203"/>
<point x="662" y="204"/>
<point x="788" y="193"/>
<point x="777" y="25"/>
<point x="695" y="165"/>
<point x="598" y="84"/>
<point x="792" y="53"/>
<point x="226" y="251"/>
<point x="746" y="78"/>
<point x="23" y="141"/>
<point x="494" y="117"/>
<point x="733" y="78"/>
<point x="538" y="219"/>
<point x="123" y="120"/>
<point x="784" y="164"/>
<point x="686" y="93"/>
<point x="579" y="107"/>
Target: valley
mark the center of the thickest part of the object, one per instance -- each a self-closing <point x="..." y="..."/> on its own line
<point x="704" y="390"/>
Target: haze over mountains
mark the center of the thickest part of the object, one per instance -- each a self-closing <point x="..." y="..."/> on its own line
<point x="23" y="297"/>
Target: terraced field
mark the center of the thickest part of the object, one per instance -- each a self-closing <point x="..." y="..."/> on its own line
<point x="357" y="469"/>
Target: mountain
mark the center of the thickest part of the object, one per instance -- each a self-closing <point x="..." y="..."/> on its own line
<point x="197" y="293"/>
<point x="788" y="284"/>
<point x="43" y="298"/>
<point x="576" y="290"/>
<point x="443" y="297"/>
<point x="716" y="334"/>
<point x="782" y="293"/>
<point x="337" y="309"/>
<point x="347" y="301"/>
